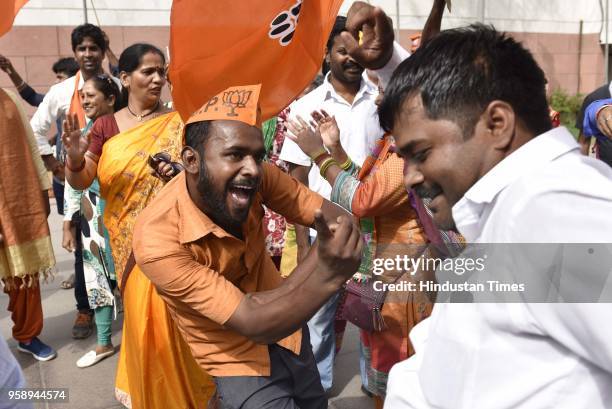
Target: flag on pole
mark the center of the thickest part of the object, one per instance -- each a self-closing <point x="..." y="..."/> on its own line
<point x="279" y="44"/>
<point x="8" y="11"/>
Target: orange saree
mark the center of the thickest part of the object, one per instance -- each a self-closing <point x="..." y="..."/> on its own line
<point x="391" y="227"/>
<point x="156" y="368"/>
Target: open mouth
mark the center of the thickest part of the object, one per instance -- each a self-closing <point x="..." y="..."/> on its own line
<point x="242" y="194"/>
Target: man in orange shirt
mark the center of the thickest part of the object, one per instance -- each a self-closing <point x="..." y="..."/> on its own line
<point x="201" y="243"/>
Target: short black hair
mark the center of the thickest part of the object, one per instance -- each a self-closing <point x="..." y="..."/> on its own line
<point x="68" y="66"/>
<point x="196" y="135"/>
<point x="339" y="27"/>
<point x="88" y="30"/>
<point x="460" y="71"/>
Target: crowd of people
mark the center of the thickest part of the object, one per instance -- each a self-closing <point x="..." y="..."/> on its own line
<point x="238" y="249"/>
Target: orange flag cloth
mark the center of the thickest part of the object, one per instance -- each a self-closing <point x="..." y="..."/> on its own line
<point x="276" y="43"/>
<point x="8" y="11"/>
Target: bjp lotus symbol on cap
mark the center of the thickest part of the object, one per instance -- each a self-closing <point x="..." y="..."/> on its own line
<point x="236" y="99"/>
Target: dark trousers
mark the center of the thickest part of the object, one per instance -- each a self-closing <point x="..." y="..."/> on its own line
<point x="58" y="192"/>
<point x="294" y="383"/>
<point x="80" y="292"/>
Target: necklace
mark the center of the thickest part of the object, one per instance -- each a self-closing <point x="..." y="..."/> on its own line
<point x="141" y="117"/>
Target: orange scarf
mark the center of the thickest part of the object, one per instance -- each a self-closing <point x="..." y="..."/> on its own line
<point x="76" y="107"/>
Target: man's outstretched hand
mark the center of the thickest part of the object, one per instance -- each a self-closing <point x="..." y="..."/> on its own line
<point x="339" y="247"/>
<point x="376" y="47"/>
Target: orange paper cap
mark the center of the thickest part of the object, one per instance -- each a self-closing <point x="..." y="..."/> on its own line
<point x="239" y="103"/>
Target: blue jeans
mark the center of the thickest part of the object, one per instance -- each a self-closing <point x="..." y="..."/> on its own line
<point x="323" y="340"/>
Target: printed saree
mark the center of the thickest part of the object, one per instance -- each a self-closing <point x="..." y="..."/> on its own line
<point x="156" y="368"/>
<point x="390" y="227"/>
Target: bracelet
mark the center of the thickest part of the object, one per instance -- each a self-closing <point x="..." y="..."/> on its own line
<point x="77" y="169"/>
<point x="346" y="164"/>
<point x="321" y="158"/>
<point x="318" y="153"/>
<point x="21" y="86"/>
<point x="326" y="164"/>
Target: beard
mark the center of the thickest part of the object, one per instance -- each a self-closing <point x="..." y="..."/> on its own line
<point x="216" y="202"/>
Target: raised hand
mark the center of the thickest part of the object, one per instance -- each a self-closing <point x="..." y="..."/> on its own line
<point x="304" y="136"/>
<point x="328" y="128"/>
<point x="6" y="65"/>
<point x="74" y="142"/>
<point x="340" y="246"/>
<point x="376" y="46"/>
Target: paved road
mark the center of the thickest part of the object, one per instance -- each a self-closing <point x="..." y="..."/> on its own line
<point x="92" y="388"/>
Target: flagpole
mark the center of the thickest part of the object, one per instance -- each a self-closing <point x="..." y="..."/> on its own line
<point x="85" y="10"/>
<point x="397" y="19"/>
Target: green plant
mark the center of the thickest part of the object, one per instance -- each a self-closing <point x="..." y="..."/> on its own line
<point x="568" y="107"/>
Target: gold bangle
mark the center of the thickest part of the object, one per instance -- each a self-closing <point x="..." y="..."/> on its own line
<point x="346" y="164"/>
<point x="318" y="153"/>
<point x="326" y="164"/>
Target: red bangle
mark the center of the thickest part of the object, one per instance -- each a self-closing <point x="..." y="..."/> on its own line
<point x="78" y="169"/>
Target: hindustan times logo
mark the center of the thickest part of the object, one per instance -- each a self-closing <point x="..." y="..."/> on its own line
<point x="459" y="266"/>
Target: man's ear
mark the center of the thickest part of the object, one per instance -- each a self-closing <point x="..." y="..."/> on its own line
<point x="500" y="120"/>
<point x="191" y="160"/>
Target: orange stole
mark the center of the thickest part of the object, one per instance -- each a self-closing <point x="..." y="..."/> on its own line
<point x="76" y="106"/>
<point x="156" y="368"/>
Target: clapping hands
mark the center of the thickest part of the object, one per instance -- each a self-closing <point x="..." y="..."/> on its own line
<point x="322" y="131"/>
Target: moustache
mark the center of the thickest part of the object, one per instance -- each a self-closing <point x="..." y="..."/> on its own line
<point x="427" y="193"/>
<point x="248" y="183"/>
<point x="350" y="65"/>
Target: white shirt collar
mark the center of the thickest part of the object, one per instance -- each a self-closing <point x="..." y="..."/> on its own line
<point x="366" y="87"/>
<point x="542" y="149"/>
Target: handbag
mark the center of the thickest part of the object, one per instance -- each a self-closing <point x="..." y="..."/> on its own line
<point x="361" y="305"/>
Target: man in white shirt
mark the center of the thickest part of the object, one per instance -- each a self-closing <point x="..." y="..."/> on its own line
<point x="469" y="114"/>
<point x="89" y="46"/>
<point x="347" y="94"/>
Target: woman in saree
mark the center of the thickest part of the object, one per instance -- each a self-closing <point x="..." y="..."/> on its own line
<point x="390" y="225"/>
<point x="100" y="96"/>
<point x="156" y="368"/>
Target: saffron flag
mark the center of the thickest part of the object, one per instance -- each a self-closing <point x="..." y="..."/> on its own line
<point x="8" y="11"/>
<point x="214" y="45"/>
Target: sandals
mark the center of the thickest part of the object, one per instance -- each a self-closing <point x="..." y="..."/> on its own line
<point x="91" y="358"/>
<point x="68" y="283"/>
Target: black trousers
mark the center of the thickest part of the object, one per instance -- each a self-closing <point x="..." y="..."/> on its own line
<point x="294" y="383"/>
<point x="80" y="292"/>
